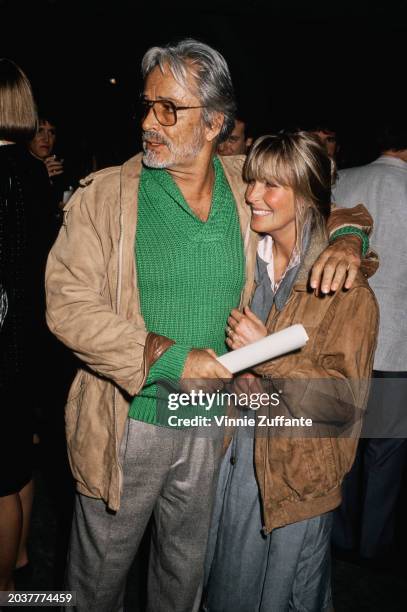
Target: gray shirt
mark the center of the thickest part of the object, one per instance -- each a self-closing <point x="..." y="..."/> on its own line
<point x="382" y="187"/>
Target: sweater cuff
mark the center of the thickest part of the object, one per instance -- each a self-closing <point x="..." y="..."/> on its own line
<point x="170" y="365"/>
<point x="354" y="231"/>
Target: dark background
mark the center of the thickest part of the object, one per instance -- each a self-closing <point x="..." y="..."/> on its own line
<point x="293" y="62"/>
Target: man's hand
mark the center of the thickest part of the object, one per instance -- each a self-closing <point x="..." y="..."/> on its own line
<point x="202" y="369"/>
<point x="338" y="263"/>
<point x="244" y="328"/>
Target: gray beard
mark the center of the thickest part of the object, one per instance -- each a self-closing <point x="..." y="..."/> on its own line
<point x="149" y="159"/>
<point x="179" y="154"/>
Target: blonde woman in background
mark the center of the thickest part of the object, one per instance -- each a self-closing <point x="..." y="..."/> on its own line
<point x="18" y="122"/>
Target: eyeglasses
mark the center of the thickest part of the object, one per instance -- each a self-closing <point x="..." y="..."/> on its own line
<point x="164" y="111"/>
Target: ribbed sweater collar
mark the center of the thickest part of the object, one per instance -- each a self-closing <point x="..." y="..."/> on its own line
<point x="164" y="180"/>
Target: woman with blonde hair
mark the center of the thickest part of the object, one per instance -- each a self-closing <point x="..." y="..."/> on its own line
<point x="269" y="547"/>
<point x="18" y="122"/>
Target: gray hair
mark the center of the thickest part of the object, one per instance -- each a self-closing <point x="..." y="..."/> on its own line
<point x="211" y="72"/>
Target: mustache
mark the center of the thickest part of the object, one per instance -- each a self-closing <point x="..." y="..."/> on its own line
<point x="153" y="136"/>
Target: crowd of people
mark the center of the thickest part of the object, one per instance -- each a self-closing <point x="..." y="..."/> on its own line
<point x="208" y="240"/>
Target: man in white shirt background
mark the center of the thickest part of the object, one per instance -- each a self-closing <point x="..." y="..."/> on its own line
<point x="373" y="486"/>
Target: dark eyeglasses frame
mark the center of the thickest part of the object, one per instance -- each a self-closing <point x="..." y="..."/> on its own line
<point x="149" y="104"/>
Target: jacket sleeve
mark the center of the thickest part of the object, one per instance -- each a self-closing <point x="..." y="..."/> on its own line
<point x="359" y="217"/>
<point x="170" y="366"/>
<point x="332" y="387"/>
<point x="78" y="311"/>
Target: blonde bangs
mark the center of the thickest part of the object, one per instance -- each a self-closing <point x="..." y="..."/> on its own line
<point x="268" y="163"/>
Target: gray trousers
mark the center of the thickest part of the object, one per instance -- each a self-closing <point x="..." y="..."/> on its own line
<point x="287" y="571"/>
<point x="170" y="474"/>
<point x="366" y="520"/>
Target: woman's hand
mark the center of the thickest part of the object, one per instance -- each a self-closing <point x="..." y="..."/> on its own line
<point x="244" y="328"/>
<point x="54" y="166"/>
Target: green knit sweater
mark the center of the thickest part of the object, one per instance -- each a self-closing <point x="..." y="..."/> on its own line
<point x="190" y="274"/>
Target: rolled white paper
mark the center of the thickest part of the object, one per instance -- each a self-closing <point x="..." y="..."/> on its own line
<point x="287" y="340"/>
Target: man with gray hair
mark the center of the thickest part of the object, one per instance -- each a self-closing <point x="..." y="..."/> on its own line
<point x="148" y="306"/>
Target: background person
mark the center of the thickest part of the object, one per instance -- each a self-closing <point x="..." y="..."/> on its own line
<point x="327" y="135"/>
<point x="45" y="220"/>
<point x="365" y="523"/>
<point x="238" y="141"/>
<point x="43" y="144"/>
<point x="42" y="147"/>
<point x="18" y="120"/>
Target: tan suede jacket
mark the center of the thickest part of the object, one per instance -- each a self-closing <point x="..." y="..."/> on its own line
<point x="327" y="381"/>
<point x="93" y="307"/>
